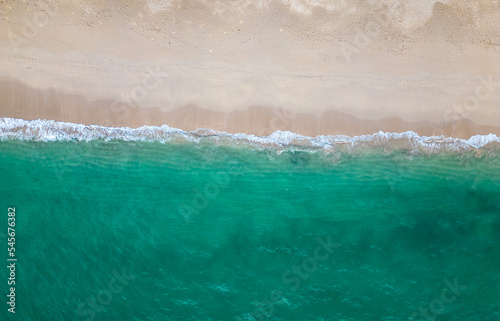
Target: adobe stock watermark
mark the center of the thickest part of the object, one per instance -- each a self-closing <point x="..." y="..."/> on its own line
<point x="121" y="108"/>
<point x="202" y="198"/>
<point x="58" y="170"/>
<point x="471" y="103"/>
<point x="483" y="91"/>
<point x="292" y="277"/>
<point x="96" y="304"/>
<point x="31" y="27"/>
<point x="436" y="307"/>
<point x="280" y="118"/>
<point x="364" y="37"/>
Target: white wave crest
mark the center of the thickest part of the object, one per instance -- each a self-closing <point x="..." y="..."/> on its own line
<point x="49" y="130"/>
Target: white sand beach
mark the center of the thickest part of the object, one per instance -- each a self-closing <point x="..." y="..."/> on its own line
<point x="311" y="67"/>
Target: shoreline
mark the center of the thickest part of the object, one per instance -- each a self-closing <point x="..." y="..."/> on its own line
<point x="22" y="102"/>
<point x="52" y="131"/>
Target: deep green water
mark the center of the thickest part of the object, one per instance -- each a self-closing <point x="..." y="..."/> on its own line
<point x="196" y="231"/>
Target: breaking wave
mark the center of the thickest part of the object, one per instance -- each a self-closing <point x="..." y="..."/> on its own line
<point x="49" y="130"/>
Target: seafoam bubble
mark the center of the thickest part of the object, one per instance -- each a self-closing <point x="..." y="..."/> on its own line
<point x="49" y="130"/>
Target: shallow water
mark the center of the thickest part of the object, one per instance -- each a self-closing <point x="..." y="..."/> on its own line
<point x="137" y="230"/>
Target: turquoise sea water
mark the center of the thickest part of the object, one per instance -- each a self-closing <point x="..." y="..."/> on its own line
<point x="123" y="230"/>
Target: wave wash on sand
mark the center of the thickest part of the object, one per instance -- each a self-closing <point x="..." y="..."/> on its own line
<point x="48" y="130"/>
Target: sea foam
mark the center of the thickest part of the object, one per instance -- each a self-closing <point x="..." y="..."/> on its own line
<point x="49" y="130"/>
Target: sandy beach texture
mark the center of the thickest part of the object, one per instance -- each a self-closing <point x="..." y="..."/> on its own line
<point x="312" y="67"/>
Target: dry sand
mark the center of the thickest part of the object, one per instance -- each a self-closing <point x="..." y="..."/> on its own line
<point x="310" y="67"/>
